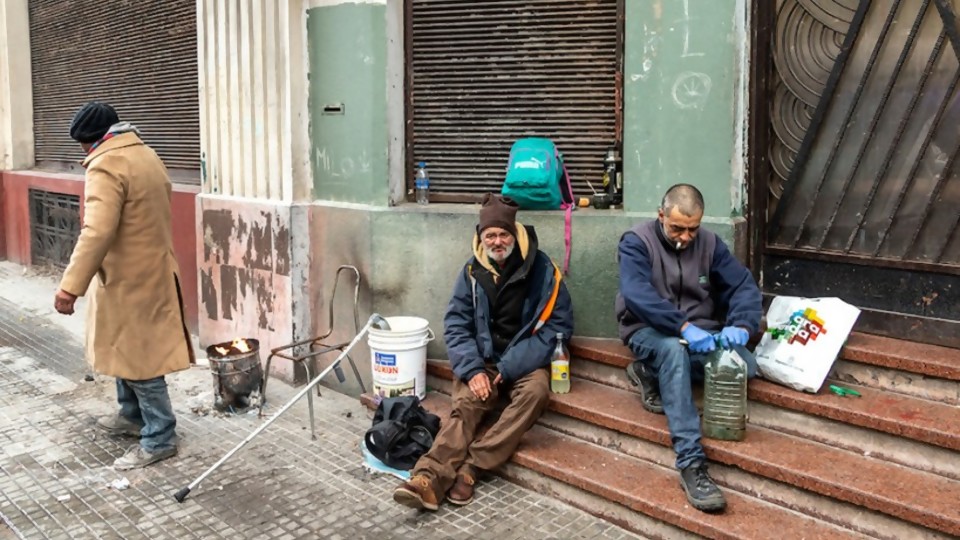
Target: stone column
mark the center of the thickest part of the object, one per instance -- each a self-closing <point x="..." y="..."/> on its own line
<point x="253" y="121"/>
<point x="16" y="88"/>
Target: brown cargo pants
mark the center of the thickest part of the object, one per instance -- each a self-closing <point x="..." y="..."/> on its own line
<point x="457" y="444"/>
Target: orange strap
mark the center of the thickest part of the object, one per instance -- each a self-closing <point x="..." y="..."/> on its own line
<point x="552" y="302"/>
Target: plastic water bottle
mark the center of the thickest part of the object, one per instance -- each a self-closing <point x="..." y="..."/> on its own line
<point x="560" y="368"/>
<point x="725" y="396"/>
<point x="421" y="183"/>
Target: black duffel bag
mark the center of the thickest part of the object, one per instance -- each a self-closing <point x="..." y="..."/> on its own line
<point x="402" y="432"/>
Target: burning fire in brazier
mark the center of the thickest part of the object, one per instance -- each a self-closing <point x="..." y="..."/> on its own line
<point x="237" y="374"/>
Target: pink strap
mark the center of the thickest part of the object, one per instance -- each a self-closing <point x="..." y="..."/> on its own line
<point x="567" y="234"/>
<point x="567" y="222"/>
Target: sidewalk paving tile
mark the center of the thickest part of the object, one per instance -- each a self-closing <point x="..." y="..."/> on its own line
<point x="55" y="467"/>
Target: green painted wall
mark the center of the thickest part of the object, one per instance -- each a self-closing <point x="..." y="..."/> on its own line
<point x="348" y="51"/>
<point x="409" y="256"/>
<point x="680" y="79"/>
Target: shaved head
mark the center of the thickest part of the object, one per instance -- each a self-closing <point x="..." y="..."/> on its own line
<point x="685" y="198"/>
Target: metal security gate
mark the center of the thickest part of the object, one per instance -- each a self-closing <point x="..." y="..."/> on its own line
<point x="484" y="73"/>
<point x="54" y="227"/>
<point x="865" y="195"/>
<point x="141" y="57"/>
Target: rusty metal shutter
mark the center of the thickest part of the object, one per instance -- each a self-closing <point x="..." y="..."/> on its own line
<point x="141" y="57"/>
<point x="484" y="73"/>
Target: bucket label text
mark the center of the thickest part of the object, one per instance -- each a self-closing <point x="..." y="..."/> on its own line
<point x="385" y="364"/>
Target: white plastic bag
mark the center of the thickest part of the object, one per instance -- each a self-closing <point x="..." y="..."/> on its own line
<point x="803" y="338"/>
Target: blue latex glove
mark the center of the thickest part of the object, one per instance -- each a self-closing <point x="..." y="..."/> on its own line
<point x="699" y="340"/>
<point x="732" y="336"/>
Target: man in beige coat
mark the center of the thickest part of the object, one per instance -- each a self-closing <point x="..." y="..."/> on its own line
<point x="135" y="323"/>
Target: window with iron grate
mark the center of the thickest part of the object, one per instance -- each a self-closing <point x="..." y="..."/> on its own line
<point x="485" y="73"/>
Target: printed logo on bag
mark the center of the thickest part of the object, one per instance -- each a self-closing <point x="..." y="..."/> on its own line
<point x="385" y="363"/>
<point x="804" y="326"/>
<point x="530" y="163"/>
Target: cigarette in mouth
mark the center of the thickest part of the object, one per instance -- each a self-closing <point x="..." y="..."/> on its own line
<point x="678" y="245"/>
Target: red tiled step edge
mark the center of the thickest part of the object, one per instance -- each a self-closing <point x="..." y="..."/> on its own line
<point x="915" y="496"/>
<point x="915" y="418"/>
<point x="930" y="360"/>
<point x="649" y="489"/>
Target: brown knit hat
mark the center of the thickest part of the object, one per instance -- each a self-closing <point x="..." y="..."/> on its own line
<point x="498" y="211"/>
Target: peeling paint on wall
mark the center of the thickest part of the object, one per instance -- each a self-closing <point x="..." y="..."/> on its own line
<point x="281" y="248"/>
<point x="228" y="291"/>
<point x="208" y="294"/>
<point x="243" y="281"/>
<point x="259" y="244"/>
<point x="264" y="293"/>
<point x="217" y="230"/>
<point x="246" y="288"/>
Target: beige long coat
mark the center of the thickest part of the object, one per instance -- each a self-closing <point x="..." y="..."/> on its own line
<point x="135" y="322"/>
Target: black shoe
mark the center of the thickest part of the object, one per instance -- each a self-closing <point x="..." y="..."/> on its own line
<point x="701" y="491"/>
<point x="641" y="377"/>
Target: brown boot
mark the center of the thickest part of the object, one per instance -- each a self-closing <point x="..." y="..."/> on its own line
<point x="417" y="493"/>
<point x="462" y="491"/>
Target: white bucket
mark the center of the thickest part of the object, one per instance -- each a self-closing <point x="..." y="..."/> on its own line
<point x="399" y="357"/>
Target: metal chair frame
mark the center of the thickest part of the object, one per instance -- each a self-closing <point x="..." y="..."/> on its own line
<point x="317" y="347"/>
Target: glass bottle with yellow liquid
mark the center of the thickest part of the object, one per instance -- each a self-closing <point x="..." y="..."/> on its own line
<point x="560" y="368"/>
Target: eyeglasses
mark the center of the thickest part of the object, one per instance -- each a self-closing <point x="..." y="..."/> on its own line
<point x="491" y="236"/>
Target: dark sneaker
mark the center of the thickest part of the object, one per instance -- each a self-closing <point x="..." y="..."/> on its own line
<point x="461" y="493"/>
<point x="137" y="458"/>
<point x="701" y="491"/>
<point x="641" y="377"/>
<point x="118" y="425"/>
<point x="417" y="493"/>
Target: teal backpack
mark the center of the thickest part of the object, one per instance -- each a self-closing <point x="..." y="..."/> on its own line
<point x="537" y="179"/>
<point x="536" y="176"/>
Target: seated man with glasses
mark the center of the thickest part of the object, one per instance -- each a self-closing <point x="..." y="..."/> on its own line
<point x="682" y="293"/>
<point x="508" y="306"/>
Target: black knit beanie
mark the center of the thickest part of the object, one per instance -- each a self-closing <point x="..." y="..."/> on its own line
<point x="92" y="122"/>
<point x="498" y="211"/>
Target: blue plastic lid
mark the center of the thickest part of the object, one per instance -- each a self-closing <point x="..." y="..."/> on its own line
<point x="422" y="164"/>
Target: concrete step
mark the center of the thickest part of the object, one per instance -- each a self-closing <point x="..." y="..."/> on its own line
<point x="883" y="375"/>
<point x="864" y="441"/>
<point x="849" y="516"/>
<point x="650" y="489"/>
<point x="620" y="515"/>
<point x="923" y="420"/>
<point x="918" y="419"/>
<point x="920" y="358"/>
<point x="835" y="473"/>
<point x="896" y="380"/>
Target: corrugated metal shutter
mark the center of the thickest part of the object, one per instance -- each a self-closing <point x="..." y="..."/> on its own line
<point x="484" y="73"/>
<point x="141" y="57"/>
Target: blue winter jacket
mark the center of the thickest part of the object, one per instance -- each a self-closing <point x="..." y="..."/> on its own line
<point x="467" y="322"/>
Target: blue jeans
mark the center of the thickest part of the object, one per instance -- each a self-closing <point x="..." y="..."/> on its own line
<point x="147" y="403"/>
<point x="676" y="368"/>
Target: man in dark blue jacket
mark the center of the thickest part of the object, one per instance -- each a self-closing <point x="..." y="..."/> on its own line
<point x="508" y="307"/>
<point x="682" y="294"/>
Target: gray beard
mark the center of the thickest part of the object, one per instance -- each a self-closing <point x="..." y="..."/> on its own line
<point x="498" y="259"/>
